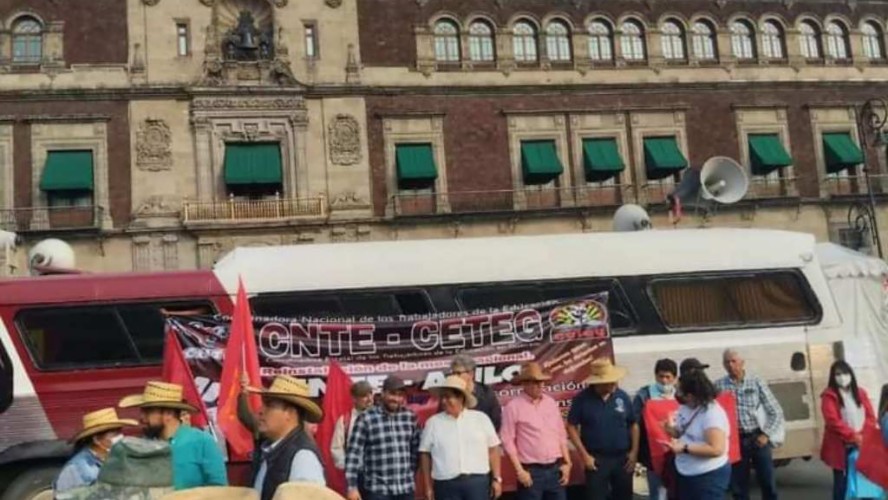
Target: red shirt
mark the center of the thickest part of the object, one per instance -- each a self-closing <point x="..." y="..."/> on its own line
<point x="837" y="435"/>
<point x="533" y="430"/>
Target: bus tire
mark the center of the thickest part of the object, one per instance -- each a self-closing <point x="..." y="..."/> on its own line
<point x="30" y="483"/>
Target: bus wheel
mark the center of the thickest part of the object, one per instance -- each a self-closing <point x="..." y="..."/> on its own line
<point x="31" y="484"/>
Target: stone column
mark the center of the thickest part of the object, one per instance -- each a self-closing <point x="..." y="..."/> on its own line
<point x="203" y="161"/>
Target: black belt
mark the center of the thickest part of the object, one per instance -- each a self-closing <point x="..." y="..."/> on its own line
<point x="541" y="466"/>
<point x="462" y="476"/>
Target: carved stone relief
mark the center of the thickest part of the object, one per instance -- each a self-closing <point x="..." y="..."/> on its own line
<point x="333" y="4"/>
<point x="280" y="3"/>
<point x="155" y="206"/>
<point x="150" y="3"/>
<point x="348" y="200"/>
<point x="154" y="146"/>
<point x="345" y="140"/>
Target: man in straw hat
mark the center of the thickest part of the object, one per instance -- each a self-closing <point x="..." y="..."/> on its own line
<point x="459" y="448"/>
<point x="534" y="438"/>
<point x="101" y="430"/>
<point x="289" y="453"/>
<point x="197" y="460"/>
<point x="382" y="451"/>
<point x="604" y="428"/>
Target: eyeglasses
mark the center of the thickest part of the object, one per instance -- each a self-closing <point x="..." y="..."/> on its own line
<point x="459" y="372"/>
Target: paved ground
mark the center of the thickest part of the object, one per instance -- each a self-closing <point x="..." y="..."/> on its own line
<point x="802" y="480"/>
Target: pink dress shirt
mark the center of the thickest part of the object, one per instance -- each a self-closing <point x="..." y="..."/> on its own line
<point x="533" y="431"/>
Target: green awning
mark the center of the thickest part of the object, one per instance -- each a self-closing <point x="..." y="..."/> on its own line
<point x="767" y="154"/>
<point x="416" y="166"/>
<point x="601" y="159"/>
<point x="67" y="171"/>
<point x="662" y="157"/>
<point x="539" y="162"/>
<point x="252" y="163"/>
<point x="840" y="152"/>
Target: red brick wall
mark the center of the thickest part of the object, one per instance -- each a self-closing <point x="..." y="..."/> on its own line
<point x="476" y="135"/>
<point x="95" y="30"/>
<point x="24" y="112"/>
<point x="386" y="26"/>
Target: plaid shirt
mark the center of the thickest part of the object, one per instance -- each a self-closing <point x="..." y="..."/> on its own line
<point x="752" y="392"/>
<point x="382" y="451"/>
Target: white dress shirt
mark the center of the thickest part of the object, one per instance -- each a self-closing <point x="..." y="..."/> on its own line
<point x="305" y="467"/>
<point x="458" y="445"/>
<point x="337" y="443"/>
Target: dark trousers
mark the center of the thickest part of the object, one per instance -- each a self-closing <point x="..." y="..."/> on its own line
<point x="379" y="496"/>
<point x="465" y="487"/>
<point x="546" y="484"/>
<point x="610" y="481"/>
<point x="709" y="486"/>
<point x="840" y="484"/>
<point x="753" y="456"/>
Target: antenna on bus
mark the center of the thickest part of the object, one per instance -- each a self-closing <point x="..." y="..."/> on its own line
<point x="631" y="217"/>
<point x="51" y="256"/>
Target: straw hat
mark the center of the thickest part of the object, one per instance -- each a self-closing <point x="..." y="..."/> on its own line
<point x="294" y="391"/>
<point x="158" y="395"/>
<point x="215" y="493"/>
<point x="603" y="371"/>
<point x="99" y="421"/>
<point x="456" y="383"/>
<point x="304" y="491"/>
<point x="530" y="372"/>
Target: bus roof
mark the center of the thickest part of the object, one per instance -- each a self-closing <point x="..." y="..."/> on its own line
<point x="99" y="287"/>
<point x="510" y="258"/>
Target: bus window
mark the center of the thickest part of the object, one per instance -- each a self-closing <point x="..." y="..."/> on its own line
<point x="713" y="301"/>
<point x="296" y="307"/>
<point x="414" y="302"/>
<point x="5" y="380"/>
<point x="77" y="336"/>
<point x="370" y="304"/>
<point x="498" y="296"/>
<point x="146" y="324"/>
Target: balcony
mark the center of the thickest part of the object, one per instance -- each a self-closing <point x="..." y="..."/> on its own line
<point x="237" y="210"/>
<point x="427" y="203"/>
<point x="23" y="220"/>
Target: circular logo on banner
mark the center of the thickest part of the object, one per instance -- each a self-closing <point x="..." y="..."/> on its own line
<point x="581" y="319"/>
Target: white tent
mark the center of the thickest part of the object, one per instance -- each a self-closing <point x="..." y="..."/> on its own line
<point x="859" y="284"/>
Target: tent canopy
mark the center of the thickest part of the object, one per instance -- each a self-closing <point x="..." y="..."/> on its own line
<point x="842" y="262"/>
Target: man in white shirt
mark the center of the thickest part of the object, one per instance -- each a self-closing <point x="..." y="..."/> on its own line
<point x="362" y="399"/>
<point x="459" y="448"/>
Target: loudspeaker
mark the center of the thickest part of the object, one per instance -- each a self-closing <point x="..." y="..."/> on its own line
<point x="631" y="217"/>
<point x="721" y="180"/>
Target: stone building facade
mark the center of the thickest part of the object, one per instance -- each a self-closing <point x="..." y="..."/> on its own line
<point x="159" y="134"/>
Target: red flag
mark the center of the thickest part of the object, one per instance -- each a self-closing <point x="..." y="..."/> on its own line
<point x="657" y="411"/>
<point x="177" y="371"/>
<point x="337" y="402"/>
<point x="873" y="459"/>
<point x="241" y="357"/>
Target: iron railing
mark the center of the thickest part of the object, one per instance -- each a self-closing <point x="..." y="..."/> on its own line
<point x="237" y="209"/>
<point x="23" y="220"/>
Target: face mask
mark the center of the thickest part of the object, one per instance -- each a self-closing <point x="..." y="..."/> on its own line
<point x="665" y="388"/>
<point x="843" y="380"/>
<point x="116" y="439"/>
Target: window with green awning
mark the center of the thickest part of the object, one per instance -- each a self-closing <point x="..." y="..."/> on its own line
<point x="416" y="167"/>
<point x="601" y="159"/>
<point x="253" y="163"/>
<point x="539" y="162"/>
<point x="767" y="154"/>
<point x="662" y="157"/>
<point x="840" y="152"/>
<point x="67" y="171"/>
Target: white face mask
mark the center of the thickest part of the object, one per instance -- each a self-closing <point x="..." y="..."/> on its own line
<point x="843" y="380"/>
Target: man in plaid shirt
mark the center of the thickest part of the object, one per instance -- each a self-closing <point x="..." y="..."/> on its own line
<point x="383" y="449"/>
<point x="761" y="418"/>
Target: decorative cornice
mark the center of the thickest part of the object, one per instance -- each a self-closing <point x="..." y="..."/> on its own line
<point x="248" y="103"/>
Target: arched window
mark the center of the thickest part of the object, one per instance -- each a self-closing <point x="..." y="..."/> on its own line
<point x="558" y="41"/>
<point x="873" y="40"/>
<point x="704" y="41"/>
<point x="481" y="42"/>
<point x="446" y="41"/>
<point x="632" y="41"/>
<point x="672" y="41"/>
<point x="27" y="40"/>
<point x="772" y="40"/>
<point x="742" y="40"/>
<point x="837" y="41"/>
<point x="809" y="38"/>
<point x="524" y="42"/>
<point x="601" y="47"/>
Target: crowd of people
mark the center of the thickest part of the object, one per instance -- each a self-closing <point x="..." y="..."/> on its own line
<point x="381" y="447"/>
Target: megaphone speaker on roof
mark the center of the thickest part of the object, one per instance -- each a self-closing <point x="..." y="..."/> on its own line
<point x="721" y="180"/>
<point x="631" y="217"/>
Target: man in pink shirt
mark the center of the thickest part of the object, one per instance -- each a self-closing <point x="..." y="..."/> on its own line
<point x="535" y="440"/>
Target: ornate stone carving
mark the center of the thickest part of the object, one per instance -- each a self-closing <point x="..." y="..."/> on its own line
<point x="352" y="66"/>
<point x="280" y="3"/>
<point x="150" y="3"/>
<point x="348" y="200"/>
<point x="155" y="206"/>
<point x="345" y="140"/>
<point x="333" y="4"/>
<point x="154" y="146"/>
<point x="208" y="3"/>
<point x="281" y="73"/>
<point x="253" y="103"/>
